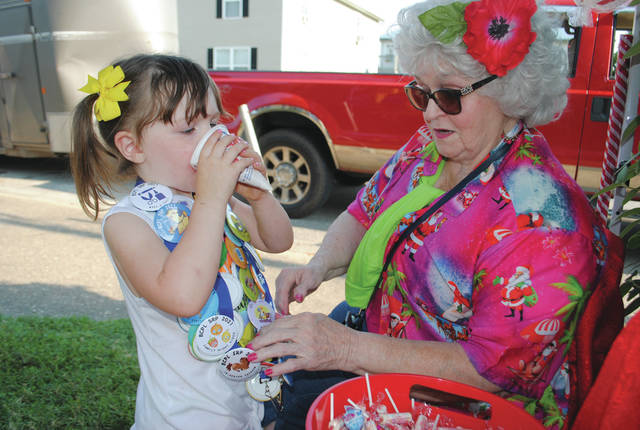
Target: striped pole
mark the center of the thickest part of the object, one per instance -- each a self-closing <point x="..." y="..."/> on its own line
<point x="614" y="129"/>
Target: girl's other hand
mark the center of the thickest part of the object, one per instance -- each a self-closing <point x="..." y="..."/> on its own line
<point x="219" y="166"/>
<point x="248" y="192"/>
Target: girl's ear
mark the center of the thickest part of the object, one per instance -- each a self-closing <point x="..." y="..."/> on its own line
<point x="128" y="146"/>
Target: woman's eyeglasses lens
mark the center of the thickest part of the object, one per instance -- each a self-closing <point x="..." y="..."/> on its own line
<point x="447" y="99"/>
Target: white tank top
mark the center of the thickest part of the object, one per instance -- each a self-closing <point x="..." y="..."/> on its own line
<point x="177" y="391"/>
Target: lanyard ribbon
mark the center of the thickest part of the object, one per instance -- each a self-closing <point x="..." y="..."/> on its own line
<point x="366" y="273"/>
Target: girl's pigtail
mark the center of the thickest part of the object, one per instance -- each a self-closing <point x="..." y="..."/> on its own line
<point x="91" y="163"/>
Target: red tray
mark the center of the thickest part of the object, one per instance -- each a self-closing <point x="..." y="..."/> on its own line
<point x="504" y="414"/>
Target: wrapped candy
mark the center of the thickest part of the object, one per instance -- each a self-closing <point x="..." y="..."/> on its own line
<point x="371" y="414"/>
<point x="397" y="421"/>
<point x="353" y="418"/>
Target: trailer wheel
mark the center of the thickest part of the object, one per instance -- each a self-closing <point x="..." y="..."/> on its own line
<point x="297" y="171"/>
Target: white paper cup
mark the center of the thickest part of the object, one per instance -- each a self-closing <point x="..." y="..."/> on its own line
<point x="249" y="176"/>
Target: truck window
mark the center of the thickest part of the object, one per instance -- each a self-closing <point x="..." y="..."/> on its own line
<point x="622" y="24"/>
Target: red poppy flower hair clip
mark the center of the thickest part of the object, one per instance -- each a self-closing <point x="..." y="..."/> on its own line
<point x="497" y="33"/>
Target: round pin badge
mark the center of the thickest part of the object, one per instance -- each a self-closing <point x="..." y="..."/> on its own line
<point x="191" y="334"/>
<point x="232" y="237"/>
<point x="188" y="202"/>
<point x="287" y="376"/>
<point x="190" y="337"/>
<point x="171" y="220"/>
<point x="150" y="197"/>
<point x="242" y="307"/>
<point x="215" y="336"/>
<point x="261" y="313"/>
<point x="235" y="289"/>
<point x="236" y="253"/>
<point x="183" y="324"/>
<point x="236" y="226"/>
<point x="254" y="256"/>
<point x="249" y="286"/>
<point x="261" y="389"/>
<point x="247" y="335"/>
<point x="238" y="323"/>
<point x="235" y="270"/>
<point x="197" y="353"/>
<point x="236" y="366"/>
<point x="226" y="265"/>
<point x="190" y="349"/>
<point x="258" y="278"/>
<point x="223" y="256"/>
<point x="231" y="268"/>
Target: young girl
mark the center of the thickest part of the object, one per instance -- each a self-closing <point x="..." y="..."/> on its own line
<point x="180" y="243"/>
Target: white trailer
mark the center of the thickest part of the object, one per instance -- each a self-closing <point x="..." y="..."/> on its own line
<point x="47" y="48"/>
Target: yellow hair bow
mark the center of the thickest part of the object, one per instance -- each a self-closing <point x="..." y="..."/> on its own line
<point x="111" y="89"/>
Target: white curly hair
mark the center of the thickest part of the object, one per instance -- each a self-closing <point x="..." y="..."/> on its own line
<point x="534" y="91"/>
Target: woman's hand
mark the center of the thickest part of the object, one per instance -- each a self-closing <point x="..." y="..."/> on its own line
<point x="316" y="341"/>
<point x="296" y="283"/>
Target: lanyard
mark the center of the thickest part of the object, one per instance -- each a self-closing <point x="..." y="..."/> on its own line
<point x="495" y="155"/>
<point x="355" y="320"/>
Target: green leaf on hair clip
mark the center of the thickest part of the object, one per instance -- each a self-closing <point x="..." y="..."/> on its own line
<point x="445" y="23"/>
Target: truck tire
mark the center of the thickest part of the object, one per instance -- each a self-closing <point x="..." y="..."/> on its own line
<point x="297" y="171"/>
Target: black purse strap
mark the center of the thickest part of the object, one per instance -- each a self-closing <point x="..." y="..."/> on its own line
<point x="495" y="155"/>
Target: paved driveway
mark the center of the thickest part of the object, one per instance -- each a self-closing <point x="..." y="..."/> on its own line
<point x="52" y="260"/>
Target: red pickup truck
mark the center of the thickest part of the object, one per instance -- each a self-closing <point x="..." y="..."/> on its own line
<point x="314" y="128"/>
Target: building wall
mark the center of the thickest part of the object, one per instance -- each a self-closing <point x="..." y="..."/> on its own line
<point x="199" y="30"/>
<point x="294" y="35"/>
<point x="388" y="59"/>
<point x="325" y="35"/>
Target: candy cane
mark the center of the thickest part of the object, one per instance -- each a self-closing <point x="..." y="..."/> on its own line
<point x="614" y="129"/>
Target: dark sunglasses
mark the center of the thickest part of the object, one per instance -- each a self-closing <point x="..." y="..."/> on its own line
<point x="447" y="99"/>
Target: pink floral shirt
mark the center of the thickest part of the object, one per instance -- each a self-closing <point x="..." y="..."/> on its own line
<point x="500" y="269"/>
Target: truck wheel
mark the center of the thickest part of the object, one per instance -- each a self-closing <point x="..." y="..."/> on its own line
<point x="296" y="170"/>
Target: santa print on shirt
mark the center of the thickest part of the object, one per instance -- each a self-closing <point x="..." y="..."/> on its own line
<point x="507" y="263"/>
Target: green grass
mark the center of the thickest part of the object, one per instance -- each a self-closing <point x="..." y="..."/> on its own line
<point x="67" y="373"/>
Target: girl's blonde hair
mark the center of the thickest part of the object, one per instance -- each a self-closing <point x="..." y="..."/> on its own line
<point x="158" y="84"/>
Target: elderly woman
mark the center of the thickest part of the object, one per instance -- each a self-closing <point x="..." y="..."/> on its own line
<point x="471" y="248"/>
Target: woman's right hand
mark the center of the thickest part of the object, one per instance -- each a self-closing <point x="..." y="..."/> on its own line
<point x="313" y="341"/>
<point x="295" y="283"/>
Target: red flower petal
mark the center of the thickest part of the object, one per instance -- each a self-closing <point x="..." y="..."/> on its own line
<point x="499" y="33"/>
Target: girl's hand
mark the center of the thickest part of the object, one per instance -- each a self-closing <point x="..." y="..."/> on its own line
<point x="316" y="341"/>
<point x="219" y="167"/>
<point x="248" y="192"/>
